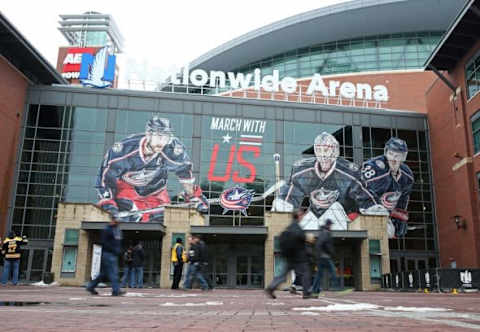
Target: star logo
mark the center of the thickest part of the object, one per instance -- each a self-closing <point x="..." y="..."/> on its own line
<point x="227" y="138"/>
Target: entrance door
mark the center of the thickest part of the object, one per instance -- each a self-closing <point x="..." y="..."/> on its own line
<point x="34" y="262"/>
<point x="249" y="271"/>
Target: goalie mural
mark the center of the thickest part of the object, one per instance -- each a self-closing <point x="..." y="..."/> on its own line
<point x="338" y="189"/>
<point x="132" y="180"/>
<point x="332" y="184"/>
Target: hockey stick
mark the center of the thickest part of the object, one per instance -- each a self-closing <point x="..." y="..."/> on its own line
<point x="267" y="192"/>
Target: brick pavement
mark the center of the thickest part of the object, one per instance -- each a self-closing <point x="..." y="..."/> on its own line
<point x="72" y="309"/>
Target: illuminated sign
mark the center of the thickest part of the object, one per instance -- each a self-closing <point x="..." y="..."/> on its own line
<point x="272" y="83"/>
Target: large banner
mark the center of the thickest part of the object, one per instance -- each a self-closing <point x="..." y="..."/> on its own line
<point x="338" y="190"/>
<point x="239" y="166"/>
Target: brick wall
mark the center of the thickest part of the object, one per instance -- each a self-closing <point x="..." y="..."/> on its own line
<point x="13" y="86"/>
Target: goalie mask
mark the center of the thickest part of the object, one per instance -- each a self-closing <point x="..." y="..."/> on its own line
<point x="396" y="153"/>
<point x="158" y="133"/>
<point x="327" y="150"/>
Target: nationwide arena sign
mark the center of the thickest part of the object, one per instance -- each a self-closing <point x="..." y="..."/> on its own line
<point x="272" y="83"/>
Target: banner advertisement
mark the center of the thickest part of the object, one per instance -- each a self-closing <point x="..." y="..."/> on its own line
<point x="239" y="169"/>
<point x="96" y="260"/>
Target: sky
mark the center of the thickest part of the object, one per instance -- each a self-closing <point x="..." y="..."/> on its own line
<point x="160" y="36"/>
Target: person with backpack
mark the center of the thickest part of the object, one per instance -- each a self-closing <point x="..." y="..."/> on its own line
<point x="293" y="250"/>
<point x="324" y="251"/>
<point x="178" y="258"/>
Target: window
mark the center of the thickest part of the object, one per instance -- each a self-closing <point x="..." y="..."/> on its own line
<point x="375" y="261"/>
<point x="70" y="250"/>
<point x="472" y="76"/>
<point x="476" y="132"/>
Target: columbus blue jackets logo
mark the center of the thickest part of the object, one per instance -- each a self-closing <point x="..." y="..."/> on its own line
<point x="236" y="199"/>
<point x="389" y="200"/>
<point x="323" y="198"/>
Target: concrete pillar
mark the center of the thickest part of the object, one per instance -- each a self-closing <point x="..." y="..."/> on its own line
<point x="376" y="227"/>
<point x="276" y="222"/>
<point x="70" y="216"/>
<point x="176" y="220"/>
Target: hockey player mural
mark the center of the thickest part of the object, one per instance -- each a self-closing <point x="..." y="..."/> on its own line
<point x="132" y="180"/>
<point x="338" y="189"/>
<point x="332" y="184"/>
<point x="390" y="181"/>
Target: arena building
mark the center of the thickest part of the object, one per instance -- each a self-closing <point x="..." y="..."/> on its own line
<point x="370" y="55"/>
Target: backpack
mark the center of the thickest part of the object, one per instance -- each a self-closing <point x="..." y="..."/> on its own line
<point x="286" y="242"/>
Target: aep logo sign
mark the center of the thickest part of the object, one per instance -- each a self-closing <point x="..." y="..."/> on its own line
<point x="98" y="70"/>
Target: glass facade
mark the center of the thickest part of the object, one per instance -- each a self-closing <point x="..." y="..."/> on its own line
<point x="374" y="53"/>
<point x="64" y="146"/>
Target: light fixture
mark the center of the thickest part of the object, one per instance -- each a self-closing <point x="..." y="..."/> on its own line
<point x="459" y="222"/>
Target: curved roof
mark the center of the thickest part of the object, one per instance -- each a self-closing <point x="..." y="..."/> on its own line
<point x="349" y="20"/>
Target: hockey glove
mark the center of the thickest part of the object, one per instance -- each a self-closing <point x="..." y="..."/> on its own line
<point x="197" y="198"/>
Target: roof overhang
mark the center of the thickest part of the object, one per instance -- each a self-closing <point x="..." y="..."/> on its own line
<point x="99" y="225"/>
<point x="349" y="20"/>
<point x="24" y="57"/>
<point x="223" y="230"/>
<point x="458" y="40"/>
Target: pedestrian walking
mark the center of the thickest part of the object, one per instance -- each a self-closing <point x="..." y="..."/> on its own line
<point x="11" y="250"/>
<point x="111" y="239"/>
<point x="204" y="265"/>
<point x="195" y="264"/>
<point x="293" y="250"/>
<point x="324" y="251"/>
<point x="128" y="272"/>
<point x="138" y="257"/>
<point x="179" y="257"/>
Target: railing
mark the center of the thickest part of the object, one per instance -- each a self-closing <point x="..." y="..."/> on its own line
<point x="299" y="96"/>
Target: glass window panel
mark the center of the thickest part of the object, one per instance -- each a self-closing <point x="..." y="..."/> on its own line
<point x="69" y="260"/>
<point x="71" y="236"/>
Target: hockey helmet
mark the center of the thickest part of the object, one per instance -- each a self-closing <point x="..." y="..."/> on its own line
<point x="157" y="125"/>
<point x="398" y="145"/>
<point x="326" y="150"/>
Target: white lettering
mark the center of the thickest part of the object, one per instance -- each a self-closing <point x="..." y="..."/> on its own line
<point x="256" y="74"/>
<point x="73" y="58"/>
<point x="194" y="77"/>
<point x="244" y="81"/>
<point x="214" y="124"/>
<point x="288" y="84"/>
<point x="71" y="75"/>
<point x="247" y="124"/>
<point x="317" y="85"/>
<point x="333" y="85"/>
<point x="185" y="75"/>
<point x="270" y="82"/>
<point x="347" y="90"/>
<point x="380" y="93"/>
<point x="213" y="78"/>
<point x="361" y="87"/>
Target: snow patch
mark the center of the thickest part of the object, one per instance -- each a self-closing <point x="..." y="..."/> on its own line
<point x="424" y="309"/>
<point x="171" y="304"/>
<point x="76" y="298"/>
<point x="42" y="284"/>
<point x="340" y="307"/>
<point x="309" y="313"/>
<point x="182" y="295"/>
<point x="275" y="303"/>
<point x="134" y="294"/>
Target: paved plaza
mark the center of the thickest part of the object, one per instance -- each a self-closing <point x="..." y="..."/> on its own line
<point x="31" y="308"/>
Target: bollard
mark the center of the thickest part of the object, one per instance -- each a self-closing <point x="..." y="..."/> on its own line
<point x="454" y="291"/>
<point x="426" y="291"/>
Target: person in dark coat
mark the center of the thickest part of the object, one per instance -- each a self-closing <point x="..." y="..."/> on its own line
<point x="111" y="239"/>
<point x="324" y="251"/>
<point x="195" y="264"/>
<point x="296" y="258"/>
<point x="128" y="273"/>
<point x="138" y="257"/>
